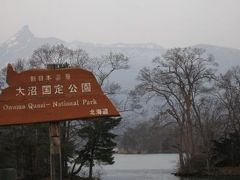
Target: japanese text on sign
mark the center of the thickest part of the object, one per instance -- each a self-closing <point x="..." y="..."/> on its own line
<point x="53" y="89"/>
<point x="57" y="77"/>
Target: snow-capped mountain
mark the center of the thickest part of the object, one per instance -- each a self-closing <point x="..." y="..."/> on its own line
<point x="21" y="45"/>
<point x="24" y="42"/>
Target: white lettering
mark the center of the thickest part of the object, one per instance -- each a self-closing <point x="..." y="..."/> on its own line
<point x="89" y="102"/>
<point x="33" y="78"/>
<point x="86" y="87"/>
<point x="32" y="91"/>
<point x="58" y="77"/>
<point x="67" y="76"/>
<point x="48" y="78"/>
<point x="14" y="107"/>
<point x="20" y="91"/>
<point x="72" y="88"/>
<point x="92" y="112"/>
<point x="105" y="111"/>
<point x="58" y="89"/>
<point x="65" y="103"/>
<point x="46" y="89"/>
<point x="33" y="106"/>
<point x="40" y="78"/>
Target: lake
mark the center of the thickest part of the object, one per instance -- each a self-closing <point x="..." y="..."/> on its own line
<point x="145" y="167"/>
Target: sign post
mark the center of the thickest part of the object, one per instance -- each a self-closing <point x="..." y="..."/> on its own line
<point x="55" y="146"/>
<point x="55" y="151"/>
<point x="52" y="95"/>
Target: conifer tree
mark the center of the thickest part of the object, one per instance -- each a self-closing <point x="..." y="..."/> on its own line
<point x="99" y="142"/>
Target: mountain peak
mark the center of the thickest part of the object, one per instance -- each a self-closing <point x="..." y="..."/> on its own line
<point x="25" y="28"/>
<point x="23" y="36"/>
<point x="25" y="31"/>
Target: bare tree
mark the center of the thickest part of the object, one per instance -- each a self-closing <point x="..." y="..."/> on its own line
<point x="108" y="64"/>
<point x="80" y="58"/>
<point x="179" y="78"/>
<point x="46" y="54"/>
<point x="229" y="95"/>
<point x="209" y="122"/>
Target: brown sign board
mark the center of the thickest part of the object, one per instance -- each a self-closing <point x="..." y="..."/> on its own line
<point x="36" y="96"/>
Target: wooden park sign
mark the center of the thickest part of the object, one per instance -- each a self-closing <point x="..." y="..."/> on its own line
<point x="52" y="95"/>
<point x="46" y="95"/>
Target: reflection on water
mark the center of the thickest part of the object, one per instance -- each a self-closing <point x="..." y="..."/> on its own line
<point x="147" y="167"/>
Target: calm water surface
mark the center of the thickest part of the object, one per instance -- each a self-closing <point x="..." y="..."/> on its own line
<point x="146" y="167"/>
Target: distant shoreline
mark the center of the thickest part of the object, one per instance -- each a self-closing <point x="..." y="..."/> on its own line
<point x="214" y="172"/>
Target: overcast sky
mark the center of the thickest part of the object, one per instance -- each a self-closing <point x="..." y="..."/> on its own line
<point x="170" y="23"/>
